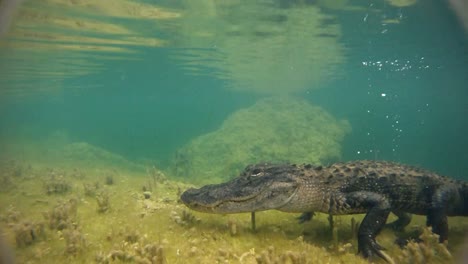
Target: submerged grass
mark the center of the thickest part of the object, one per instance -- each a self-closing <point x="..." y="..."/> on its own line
<point x="136" y="228"/>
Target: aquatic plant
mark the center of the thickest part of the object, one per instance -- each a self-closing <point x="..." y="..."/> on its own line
<point x="150" y="253"/>
<point x="11" y="215"/>
<point x="131" y="235"/>
<point x="185" y="218"/>
<point x="156" y="175"/>
<point x="75" y="241"/>
<point x="153" y="252"/>
<point x="103" y="202"/>
<point x="232" y="226"/>
<point x="354" y="227"/>
<point x="274" y="129"/>
<point x="269" y="257"/>
<point x="26" y="232"/>
<point x="109" y="179"/>
<point x="91" y="189"/>
<point x="426" y="249"/>
<point x="155" y="178"/>
<point x="56" y="184"/>
<point x="10" y="171"/>
<point x="62" y="215"/>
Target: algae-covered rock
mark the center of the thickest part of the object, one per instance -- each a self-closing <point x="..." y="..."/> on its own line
<point x="274" y="130"/>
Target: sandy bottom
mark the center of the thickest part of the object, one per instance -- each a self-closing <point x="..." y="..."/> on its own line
<point x="53" y="214"/>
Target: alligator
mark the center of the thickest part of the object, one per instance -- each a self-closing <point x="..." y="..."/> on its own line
<point x="375" y="188"/>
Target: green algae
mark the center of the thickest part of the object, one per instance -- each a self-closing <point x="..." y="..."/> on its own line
<point x="276" y="129"/>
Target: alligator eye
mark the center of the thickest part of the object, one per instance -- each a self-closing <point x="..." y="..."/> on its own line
<point x="256" y="172"/>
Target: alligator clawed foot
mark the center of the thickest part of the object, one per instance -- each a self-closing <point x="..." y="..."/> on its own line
<point x="368" y="247"/>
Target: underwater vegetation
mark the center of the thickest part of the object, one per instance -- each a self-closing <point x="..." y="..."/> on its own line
<point x="276" y="129"/>
<point x="150" y="253"/>
<point x="426" y="249"/>
<point x="27" y="233"/>
<point x="94" y="222"/>
<point x="56" y="184"/>
<point x="62" y="216"/>
<point x="91" y="189"/>
<point x="103" y="201"/>
<point x="75" y="241"/>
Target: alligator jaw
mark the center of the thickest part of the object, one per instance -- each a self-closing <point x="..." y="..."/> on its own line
<point x="226" y="198"/>
<point x="196" y="200"/>
<point x="253" y="203"/>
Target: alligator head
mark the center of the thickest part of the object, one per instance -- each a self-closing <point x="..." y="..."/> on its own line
<point x="259" y="187"/>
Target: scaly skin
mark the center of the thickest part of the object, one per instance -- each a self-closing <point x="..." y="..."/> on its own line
<point x="375" y="188"/>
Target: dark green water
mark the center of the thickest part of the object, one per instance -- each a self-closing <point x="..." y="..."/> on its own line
<point x="401" y="82"/>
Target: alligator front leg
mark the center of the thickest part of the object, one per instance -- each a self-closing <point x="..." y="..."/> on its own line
<point x="378" y="209"/>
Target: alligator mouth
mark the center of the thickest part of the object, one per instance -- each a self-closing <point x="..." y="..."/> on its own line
<point x="235" y="201"/>
<point x="204" y="201"/>
<point x="201" y="200"/>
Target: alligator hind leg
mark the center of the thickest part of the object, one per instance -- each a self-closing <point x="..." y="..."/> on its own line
<point x="442" y="201"/>
<point x="305" y="217"/>
<point x="437" y="219"/>
<point x="378" y="209"/>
